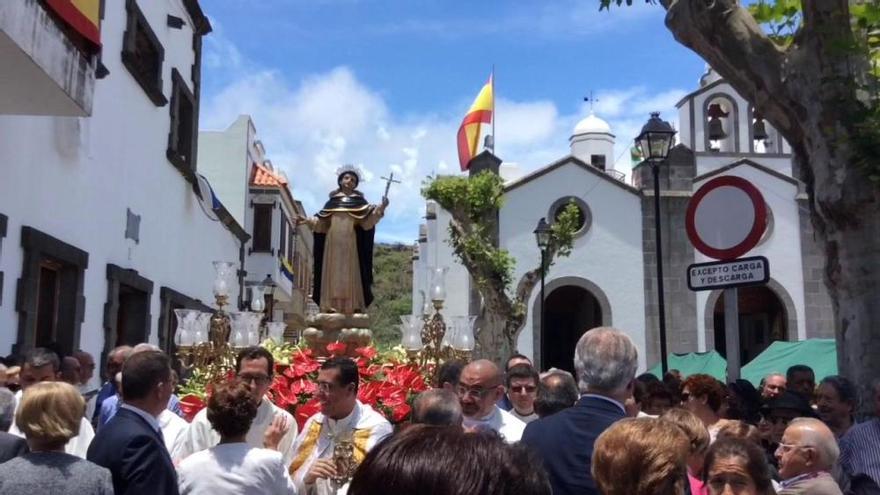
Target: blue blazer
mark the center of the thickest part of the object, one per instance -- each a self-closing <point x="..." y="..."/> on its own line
<point x="564" y="441"/>
<point x="11" y="446"/>
<point x="136" y="456"/>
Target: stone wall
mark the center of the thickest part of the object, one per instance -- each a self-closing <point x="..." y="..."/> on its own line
<point x="680" y="303"/>
<point x="818" y="311"/>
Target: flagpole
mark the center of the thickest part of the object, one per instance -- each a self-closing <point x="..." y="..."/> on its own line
<point x="494" y="146"/>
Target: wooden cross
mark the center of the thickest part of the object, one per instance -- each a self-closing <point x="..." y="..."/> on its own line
<point x="591" y="100"/>
<point x="388" y="182"/>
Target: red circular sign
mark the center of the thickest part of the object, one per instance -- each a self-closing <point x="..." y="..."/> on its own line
<point x="726" y="217"/>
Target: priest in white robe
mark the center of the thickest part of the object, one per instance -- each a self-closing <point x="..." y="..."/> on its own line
<point x="338" y="438"/>
<point x="254" y="366"/>
<point x="479" y="389"/>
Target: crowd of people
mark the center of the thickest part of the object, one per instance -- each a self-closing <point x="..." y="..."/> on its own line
<point x="481" y="429"/>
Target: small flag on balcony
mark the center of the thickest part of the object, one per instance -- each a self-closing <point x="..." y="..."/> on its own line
<point x="83" y="16"/>
<point x="286" y="269"/>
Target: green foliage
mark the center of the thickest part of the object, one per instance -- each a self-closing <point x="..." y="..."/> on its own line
<point x="781" y="18"/>
<point x="477" y="198"/>
<point x="563" y="228"/>
<point x="474" y="196"/>
<point x="392" y="292"/>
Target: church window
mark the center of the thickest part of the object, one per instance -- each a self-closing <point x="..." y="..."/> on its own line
<point x="142" y="54"/>
<point x="182" y="137"/>
<point x="585" y="217"/>
<point x="598" y="161"/>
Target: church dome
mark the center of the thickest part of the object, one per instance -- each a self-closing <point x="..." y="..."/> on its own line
<point x="590" y="125"/>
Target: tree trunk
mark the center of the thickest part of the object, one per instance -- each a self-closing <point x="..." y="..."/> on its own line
<point x="808" y="91"/>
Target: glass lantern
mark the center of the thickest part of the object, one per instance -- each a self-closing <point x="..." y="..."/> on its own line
<point x="222" y="280"/>
<point x="438" y="284"/>
<point x="276" y="331"/>
<point x="464" y="337"/>
<point x="184" y="335"/>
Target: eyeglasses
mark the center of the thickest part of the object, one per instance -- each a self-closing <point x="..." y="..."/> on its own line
<point x="788" y="447"/>
<point x="524" y="389"/>
<point x="478" y="392"/>
<point x="256" y="379"/>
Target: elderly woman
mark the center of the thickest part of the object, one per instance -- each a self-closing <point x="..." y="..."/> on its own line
<point x="698" y="438"/>
<point x="49" y="416"/>
<point x="643" y="456"/>
<point x="703" y="395"/>
<point x="737" y="466"/>
<point x="233" y="466"/>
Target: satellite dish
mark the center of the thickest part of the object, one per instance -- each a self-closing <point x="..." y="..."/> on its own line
<point x="207" y="199"/>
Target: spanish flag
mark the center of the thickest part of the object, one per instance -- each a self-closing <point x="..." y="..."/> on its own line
<point x="481" y="112"/>
<point x="84" y="16"/>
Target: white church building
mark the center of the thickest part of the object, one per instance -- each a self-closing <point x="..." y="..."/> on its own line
<point x="610" y="276"/>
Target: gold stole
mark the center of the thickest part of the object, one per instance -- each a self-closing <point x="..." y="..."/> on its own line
<point x="360" y="436"/>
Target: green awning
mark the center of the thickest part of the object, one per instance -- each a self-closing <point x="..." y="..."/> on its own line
<point x="819" y="354"/>
<point x="692" y="363"/>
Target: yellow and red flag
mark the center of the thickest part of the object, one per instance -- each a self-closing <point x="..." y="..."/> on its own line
<point x="481" y="112"/>
<point x="84" y="16"/>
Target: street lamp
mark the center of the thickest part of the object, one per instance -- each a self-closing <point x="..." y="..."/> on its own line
<point x="269" y="286"/>
<point x="542" y="236"/>
<point x="654" y="144"/>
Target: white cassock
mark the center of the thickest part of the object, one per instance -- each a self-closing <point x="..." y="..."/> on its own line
<point x="498" y="420"/>
<point x="364" y="427"/>
<point x="173" y="428"/>
<point x="200" y="435"/>
<point x="77" y="445"/>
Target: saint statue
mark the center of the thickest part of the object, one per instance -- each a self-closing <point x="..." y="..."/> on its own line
<point x="343" y="247"/>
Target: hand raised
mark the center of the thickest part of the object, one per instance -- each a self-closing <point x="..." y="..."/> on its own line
<point x="322" y="469"/>
<point x="275" y="432"/>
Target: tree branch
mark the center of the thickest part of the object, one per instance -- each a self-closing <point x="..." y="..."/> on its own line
<point x="727" y="36"/>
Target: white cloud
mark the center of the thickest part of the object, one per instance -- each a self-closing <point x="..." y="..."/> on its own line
<point x="312" y="126"/>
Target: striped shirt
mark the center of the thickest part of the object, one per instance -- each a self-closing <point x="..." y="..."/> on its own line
<point x="860" y="450"/>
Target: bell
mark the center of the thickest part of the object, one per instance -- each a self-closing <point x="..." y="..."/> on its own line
<point x="716" y="129"/>
<point x="759" y="130"/>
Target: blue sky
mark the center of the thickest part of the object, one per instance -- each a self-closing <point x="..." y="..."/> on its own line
<point x="385" y="84"/>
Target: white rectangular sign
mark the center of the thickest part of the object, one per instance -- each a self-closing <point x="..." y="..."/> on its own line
<point x="740" y="272"/>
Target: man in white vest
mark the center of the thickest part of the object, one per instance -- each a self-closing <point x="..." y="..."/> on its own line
<point x="479" y="389"/>
<point x="344" y="427"/>
<point x="272" y="428"/>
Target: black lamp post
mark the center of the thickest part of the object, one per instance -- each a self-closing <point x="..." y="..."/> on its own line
<point x="542" y="236"/>
<point x="654" y="144"/>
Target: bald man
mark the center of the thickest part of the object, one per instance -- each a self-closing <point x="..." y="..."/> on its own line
<point x="479" y="388"/>
<point x="806" y="455"/>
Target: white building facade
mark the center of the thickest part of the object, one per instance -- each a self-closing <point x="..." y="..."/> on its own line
<point x="610" y="276"/>
<point x="259" y="197"/>
<point x="102" y="231"/>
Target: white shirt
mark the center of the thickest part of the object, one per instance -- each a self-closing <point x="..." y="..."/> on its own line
<point x="200" y="435"/>
<point x="149" y="418"/>
<point x="525" y="418"/>
<point x="173" y="429"/>
<point x="498" y="420"/>
<point x="234" y="468"/>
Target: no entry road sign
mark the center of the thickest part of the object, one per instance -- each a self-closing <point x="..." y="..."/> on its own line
<point x="741" y="272"/>
<point x="726" y="217"/>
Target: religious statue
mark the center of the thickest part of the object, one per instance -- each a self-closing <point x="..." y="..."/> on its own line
<point x="343" y="247"/>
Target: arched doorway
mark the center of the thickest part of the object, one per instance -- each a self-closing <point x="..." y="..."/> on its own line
<point x="762" y="319"/>
<point x="569" y="311"/>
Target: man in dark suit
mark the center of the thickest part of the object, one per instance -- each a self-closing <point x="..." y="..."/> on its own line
<point x="605" y="360"/>
<point x="130" y="445"/>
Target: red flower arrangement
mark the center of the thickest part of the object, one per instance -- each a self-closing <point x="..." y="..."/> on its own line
<point x="385" y="384"/>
